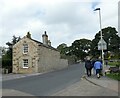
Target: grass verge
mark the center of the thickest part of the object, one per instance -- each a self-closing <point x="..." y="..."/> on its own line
<point x="115" y="76"/>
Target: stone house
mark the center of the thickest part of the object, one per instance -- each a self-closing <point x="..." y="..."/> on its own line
<point x="32" y="56"/>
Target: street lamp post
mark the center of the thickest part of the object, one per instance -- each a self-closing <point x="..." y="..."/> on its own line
<point x="102" y="54"/>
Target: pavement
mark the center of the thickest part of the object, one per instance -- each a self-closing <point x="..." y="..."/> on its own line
<point x="104" y="82"/>
<point x="12" y="76"/>
<point x="91" y="86"/>
<point x="87" y="86"/>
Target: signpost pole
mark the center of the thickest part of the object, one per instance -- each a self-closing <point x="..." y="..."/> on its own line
<point x="101" y="41"/>
<point x="102" y="52"/>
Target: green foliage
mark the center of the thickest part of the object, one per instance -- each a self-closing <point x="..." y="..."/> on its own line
<point x="71" y="59"/>
<point x="7" y="57"/>
<point x="66" y="53"/>
<point x="7" y="62"/>
<point x="62" y="48"/>
<point x="110" y="35"/>
<point x="114" y="63"/>
<point x="115" y="76"/>
<point x="81" y="48"/>
<point x="84" y="47"/>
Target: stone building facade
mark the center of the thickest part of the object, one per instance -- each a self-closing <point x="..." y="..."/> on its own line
<point x="31" y="56"/>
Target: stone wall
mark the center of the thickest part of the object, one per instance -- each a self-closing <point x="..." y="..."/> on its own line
<point x="18" y="56"/>
<point x="50" y="60"/>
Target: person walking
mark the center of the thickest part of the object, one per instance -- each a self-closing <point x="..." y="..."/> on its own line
<point x="93" y="62"/>
<point x="98" y="67"/>
<point x="88" y="66"/>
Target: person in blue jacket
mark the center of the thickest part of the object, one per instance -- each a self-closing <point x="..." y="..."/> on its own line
<point x="98" y="67"/>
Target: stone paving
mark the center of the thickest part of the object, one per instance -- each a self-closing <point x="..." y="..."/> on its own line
<point x="87" y="88"/>
<point x="104" y="82"/>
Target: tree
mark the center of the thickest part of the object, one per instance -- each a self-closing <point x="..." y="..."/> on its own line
<point x="65" y="53"/>
<point x="110" y="35"/>
<point x="7" y="57"/>
<point x="84" y="47"/>
<point x="62" y="47"/>
<point x="78" y="50"/>
<point x="81" y="48"/>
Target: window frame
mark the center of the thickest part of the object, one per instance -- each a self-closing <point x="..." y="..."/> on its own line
<point x="25" y="62"/>
<point x="25" y="48"/>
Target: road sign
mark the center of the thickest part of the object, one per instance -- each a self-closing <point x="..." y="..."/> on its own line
<point x="102" y="44"/>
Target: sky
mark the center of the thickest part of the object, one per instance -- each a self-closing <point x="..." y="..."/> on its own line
<point x="64" y="20"/>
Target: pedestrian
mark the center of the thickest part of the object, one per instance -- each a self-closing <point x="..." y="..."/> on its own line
<point x="98" y="67"/>
<point x="88" y="66"/>
<point x="93" y="62"/>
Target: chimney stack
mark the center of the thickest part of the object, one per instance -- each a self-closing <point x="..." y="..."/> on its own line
<point x="28" y="35"/>
<point x="49" y="42"/>
<point x="45" y="38"/>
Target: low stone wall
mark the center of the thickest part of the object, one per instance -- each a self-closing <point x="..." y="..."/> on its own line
<point x="50" y="60"/>
<point x="4" y="71"/>
<point x="63" y="63"/>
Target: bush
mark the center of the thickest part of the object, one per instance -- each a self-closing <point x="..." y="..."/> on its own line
<point x="7" y="64"/>
<point x="114" y="63"/>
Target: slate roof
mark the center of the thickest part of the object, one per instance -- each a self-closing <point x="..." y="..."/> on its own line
<point x="41" y="44"/>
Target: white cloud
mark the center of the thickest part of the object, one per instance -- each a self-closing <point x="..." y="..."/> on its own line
<point x="64" y="20"/>
<point x="109" y="12"/>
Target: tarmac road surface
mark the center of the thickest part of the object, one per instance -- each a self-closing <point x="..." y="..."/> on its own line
<point x="44" y="84"/>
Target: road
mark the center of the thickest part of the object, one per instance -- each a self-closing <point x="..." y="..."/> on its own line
<point x="45" y="84"/>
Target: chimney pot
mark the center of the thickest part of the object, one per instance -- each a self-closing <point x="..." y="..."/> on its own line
<point x="45" y="38"/>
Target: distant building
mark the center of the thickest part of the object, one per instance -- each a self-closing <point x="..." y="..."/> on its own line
<point x="32" y="56"/>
